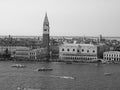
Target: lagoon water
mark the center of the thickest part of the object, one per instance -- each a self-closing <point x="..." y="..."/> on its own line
<point x="63" y="77"/>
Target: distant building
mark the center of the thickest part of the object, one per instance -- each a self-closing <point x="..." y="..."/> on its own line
<point x="111" y="56"/>
<point x="81" y="52"/>
<point x="22" y="53"/>
<point x="100" y="38"/>
<point x="37" y="54"/>
<point x="11" y="49"/>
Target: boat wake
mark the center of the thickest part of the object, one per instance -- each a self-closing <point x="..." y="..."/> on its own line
<point x="64" y="77"/>
<point x="18" y="88"/>
<point x="54" y="76"/>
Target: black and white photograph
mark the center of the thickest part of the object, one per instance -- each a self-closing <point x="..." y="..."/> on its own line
<point x="59" y="44"/>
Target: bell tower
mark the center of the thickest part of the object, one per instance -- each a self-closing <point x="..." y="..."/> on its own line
<point x="46" y="38"/>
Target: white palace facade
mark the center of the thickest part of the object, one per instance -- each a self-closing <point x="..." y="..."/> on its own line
<point x="112" y="56"/>
<point x="81" y="52"/>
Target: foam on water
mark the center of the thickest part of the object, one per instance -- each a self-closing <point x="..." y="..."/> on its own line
<point x="64" y="77"/>
<point x="18" y="88"/>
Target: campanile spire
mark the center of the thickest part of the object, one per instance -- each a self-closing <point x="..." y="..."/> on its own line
<point x="46" y="22"/>
<point x="46" y="25"/>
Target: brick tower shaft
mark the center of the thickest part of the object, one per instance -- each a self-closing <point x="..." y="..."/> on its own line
<point x="46" y="37"/>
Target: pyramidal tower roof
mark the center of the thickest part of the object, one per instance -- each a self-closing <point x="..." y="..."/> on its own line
<point x="46" y="19"/>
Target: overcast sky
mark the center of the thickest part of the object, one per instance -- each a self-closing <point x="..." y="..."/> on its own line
<point x="66" y="17"/>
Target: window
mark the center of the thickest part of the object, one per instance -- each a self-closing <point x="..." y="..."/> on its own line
<point x="117" y="55"/>
<point x="68" y="49"/>
<point x="93" y="51"/>
<point x="73" y="49"/>
<point x="45" y="29"/>
<point x="63" y="49"/>
<point x="88" y="51"/>
<point x="82" y="50"/>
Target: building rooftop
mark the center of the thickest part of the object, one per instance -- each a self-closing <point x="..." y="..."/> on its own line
<point x="73" y="44"/>
<point x="117" y="52"/>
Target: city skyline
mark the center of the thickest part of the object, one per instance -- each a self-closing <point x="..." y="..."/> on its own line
<point x="67" y="17"/>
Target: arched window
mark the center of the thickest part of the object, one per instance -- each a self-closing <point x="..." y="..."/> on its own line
<point x="93" y="51"/>
<point x="62" y="49"/>
<point x="82" y="50"/>
<point x="45" y="29"/>
<point x="68" y="50"/>
<point x="87" y="51"/>
<point x="73" y="49"/>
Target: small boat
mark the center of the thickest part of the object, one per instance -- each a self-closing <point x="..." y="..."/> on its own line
<point x="18" y="66"/>
<point x="107" y="74"/>
<point x="44" y="69"/>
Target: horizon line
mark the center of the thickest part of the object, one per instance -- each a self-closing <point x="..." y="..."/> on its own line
<point x="55" y="36"/>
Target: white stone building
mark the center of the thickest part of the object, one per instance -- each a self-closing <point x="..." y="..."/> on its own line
<point x="111" y="56"/>
<point x="11" y="49"/>
<point x="37" y="54"/>
<point x="22" y="53"/>
<point x="81" y="52"/>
